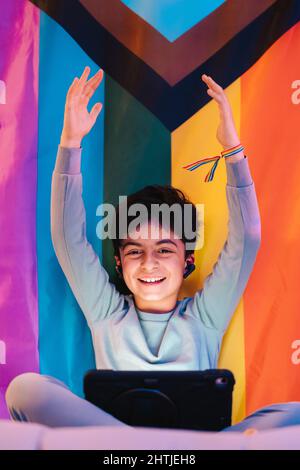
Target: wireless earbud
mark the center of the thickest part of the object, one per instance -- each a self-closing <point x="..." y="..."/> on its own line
<point x="189" y="269"/>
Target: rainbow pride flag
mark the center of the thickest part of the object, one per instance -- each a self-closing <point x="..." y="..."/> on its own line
<point x="157" y="117"/>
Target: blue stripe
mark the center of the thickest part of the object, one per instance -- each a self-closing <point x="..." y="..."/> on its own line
<point x="172" y="18"/>
<point x="65" y="344"/>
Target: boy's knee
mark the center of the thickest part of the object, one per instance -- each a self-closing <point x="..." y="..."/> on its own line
<point x="291" y="406"/>
<point x="286" y="406"/>
<point x="23" y="389"/>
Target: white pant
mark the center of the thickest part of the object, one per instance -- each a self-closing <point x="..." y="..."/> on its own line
<point x="45" y="400"/>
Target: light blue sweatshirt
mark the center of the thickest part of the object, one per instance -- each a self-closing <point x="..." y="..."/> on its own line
<point x="190" y="336"/>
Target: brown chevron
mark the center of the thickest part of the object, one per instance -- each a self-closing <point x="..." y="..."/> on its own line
<point x="175" y="60"/>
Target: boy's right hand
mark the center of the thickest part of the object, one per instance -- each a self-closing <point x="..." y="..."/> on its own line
<point x="77" y="120"/>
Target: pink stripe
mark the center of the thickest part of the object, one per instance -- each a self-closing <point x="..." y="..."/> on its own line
<point x="19" y="36"/>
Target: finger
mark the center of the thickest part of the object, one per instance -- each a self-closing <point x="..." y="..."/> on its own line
<point x="95" y="111"/>
<point x="222" y="102"/>
<point x="213" y="85"/>
<point x="218" y="92"/>
<point x="98" y="76"/>
<point x="217" y="96"/>
<point x="82" y="79"/>
<point x="72" y="88"/>
<point x="206" y="79"/>
<point x="92" y="85"/>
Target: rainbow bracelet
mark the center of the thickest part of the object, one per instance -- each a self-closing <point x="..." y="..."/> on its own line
<point x="210" y="174"/>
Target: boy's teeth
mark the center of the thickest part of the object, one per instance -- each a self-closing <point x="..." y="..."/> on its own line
<point x="152" y="280"/>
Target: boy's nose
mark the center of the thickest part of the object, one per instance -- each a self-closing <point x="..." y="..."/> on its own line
<point x="149" y="262"/>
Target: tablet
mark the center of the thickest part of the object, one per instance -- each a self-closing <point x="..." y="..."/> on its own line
<point x="199" y="400"/>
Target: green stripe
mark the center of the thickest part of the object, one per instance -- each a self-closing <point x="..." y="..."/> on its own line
<point x="137" y="153"/>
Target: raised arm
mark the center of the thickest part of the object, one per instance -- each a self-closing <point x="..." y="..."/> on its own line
<point x="223" y="288"/>
<point x="88" y="280"/>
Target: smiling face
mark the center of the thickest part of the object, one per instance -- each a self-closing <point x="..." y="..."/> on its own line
<point x="153" y="267"/>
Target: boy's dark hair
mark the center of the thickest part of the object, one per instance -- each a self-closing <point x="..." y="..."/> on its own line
<point x="156" y="194"/>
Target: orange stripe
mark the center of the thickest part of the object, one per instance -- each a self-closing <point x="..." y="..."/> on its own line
<point x="270" y="134"/>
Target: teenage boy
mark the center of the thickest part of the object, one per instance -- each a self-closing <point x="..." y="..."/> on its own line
<point x="149" y="329"/>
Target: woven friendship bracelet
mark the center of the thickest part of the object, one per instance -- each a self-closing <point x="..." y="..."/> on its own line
<point x="225" y="154"/>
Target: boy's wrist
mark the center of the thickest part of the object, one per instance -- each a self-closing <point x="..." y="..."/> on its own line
<point x="237" y="156"/>
<point x="69" y="143"/>
<point x="228" y="146"/>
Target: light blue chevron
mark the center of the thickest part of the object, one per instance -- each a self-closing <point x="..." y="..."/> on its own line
<point x="172" y="18"/>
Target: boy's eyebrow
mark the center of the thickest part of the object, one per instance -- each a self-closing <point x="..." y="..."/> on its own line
<point x="160" y="242"/>
<point x="166" y="240"/>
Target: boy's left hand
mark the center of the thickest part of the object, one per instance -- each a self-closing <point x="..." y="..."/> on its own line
<point x="226" y="132"/>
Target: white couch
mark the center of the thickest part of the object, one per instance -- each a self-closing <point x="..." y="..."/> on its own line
<point x="27" y="436"/>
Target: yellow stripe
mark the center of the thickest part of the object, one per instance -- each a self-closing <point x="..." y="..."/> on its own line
<point x="196" y="139"/>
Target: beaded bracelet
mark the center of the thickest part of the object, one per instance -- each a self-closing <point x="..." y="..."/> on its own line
<point x="225" y="154"/>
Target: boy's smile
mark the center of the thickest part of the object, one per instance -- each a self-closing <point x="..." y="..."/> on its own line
<point x="153" y="267"/>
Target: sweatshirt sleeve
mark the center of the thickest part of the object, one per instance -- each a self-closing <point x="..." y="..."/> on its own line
<point x="216" y="302"/>
<point x="89" y="281"/>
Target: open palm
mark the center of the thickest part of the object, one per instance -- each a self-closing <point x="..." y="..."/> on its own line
<point x="226" y="132"/>
<point x="78" y="121"/>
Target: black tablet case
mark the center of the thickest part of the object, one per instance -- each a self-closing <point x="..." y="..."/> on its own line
<point x="165" y="399"/>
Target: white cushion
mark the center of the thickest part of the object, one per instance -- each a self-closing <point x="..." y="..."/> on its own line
<point x="26" y="436"/>
<point x="20" y="436"/>
<point x="113" y="437"/>
<point x="286" y="438"/>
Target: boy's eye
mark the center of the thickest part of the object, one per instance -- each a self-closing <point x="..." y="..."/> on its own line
<point x="136" y="252"/>
<point x="133" y="252"/>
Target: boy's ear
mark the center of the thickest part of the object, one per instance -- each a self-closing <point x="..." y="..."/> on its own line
<point x="119" y="267"/>
<point x="118" y="261"/>
<point x="190" y="260"/>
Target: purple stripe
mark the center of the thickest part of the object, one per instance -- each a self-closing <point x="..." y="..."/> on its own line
<point x="19" y="36"/>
